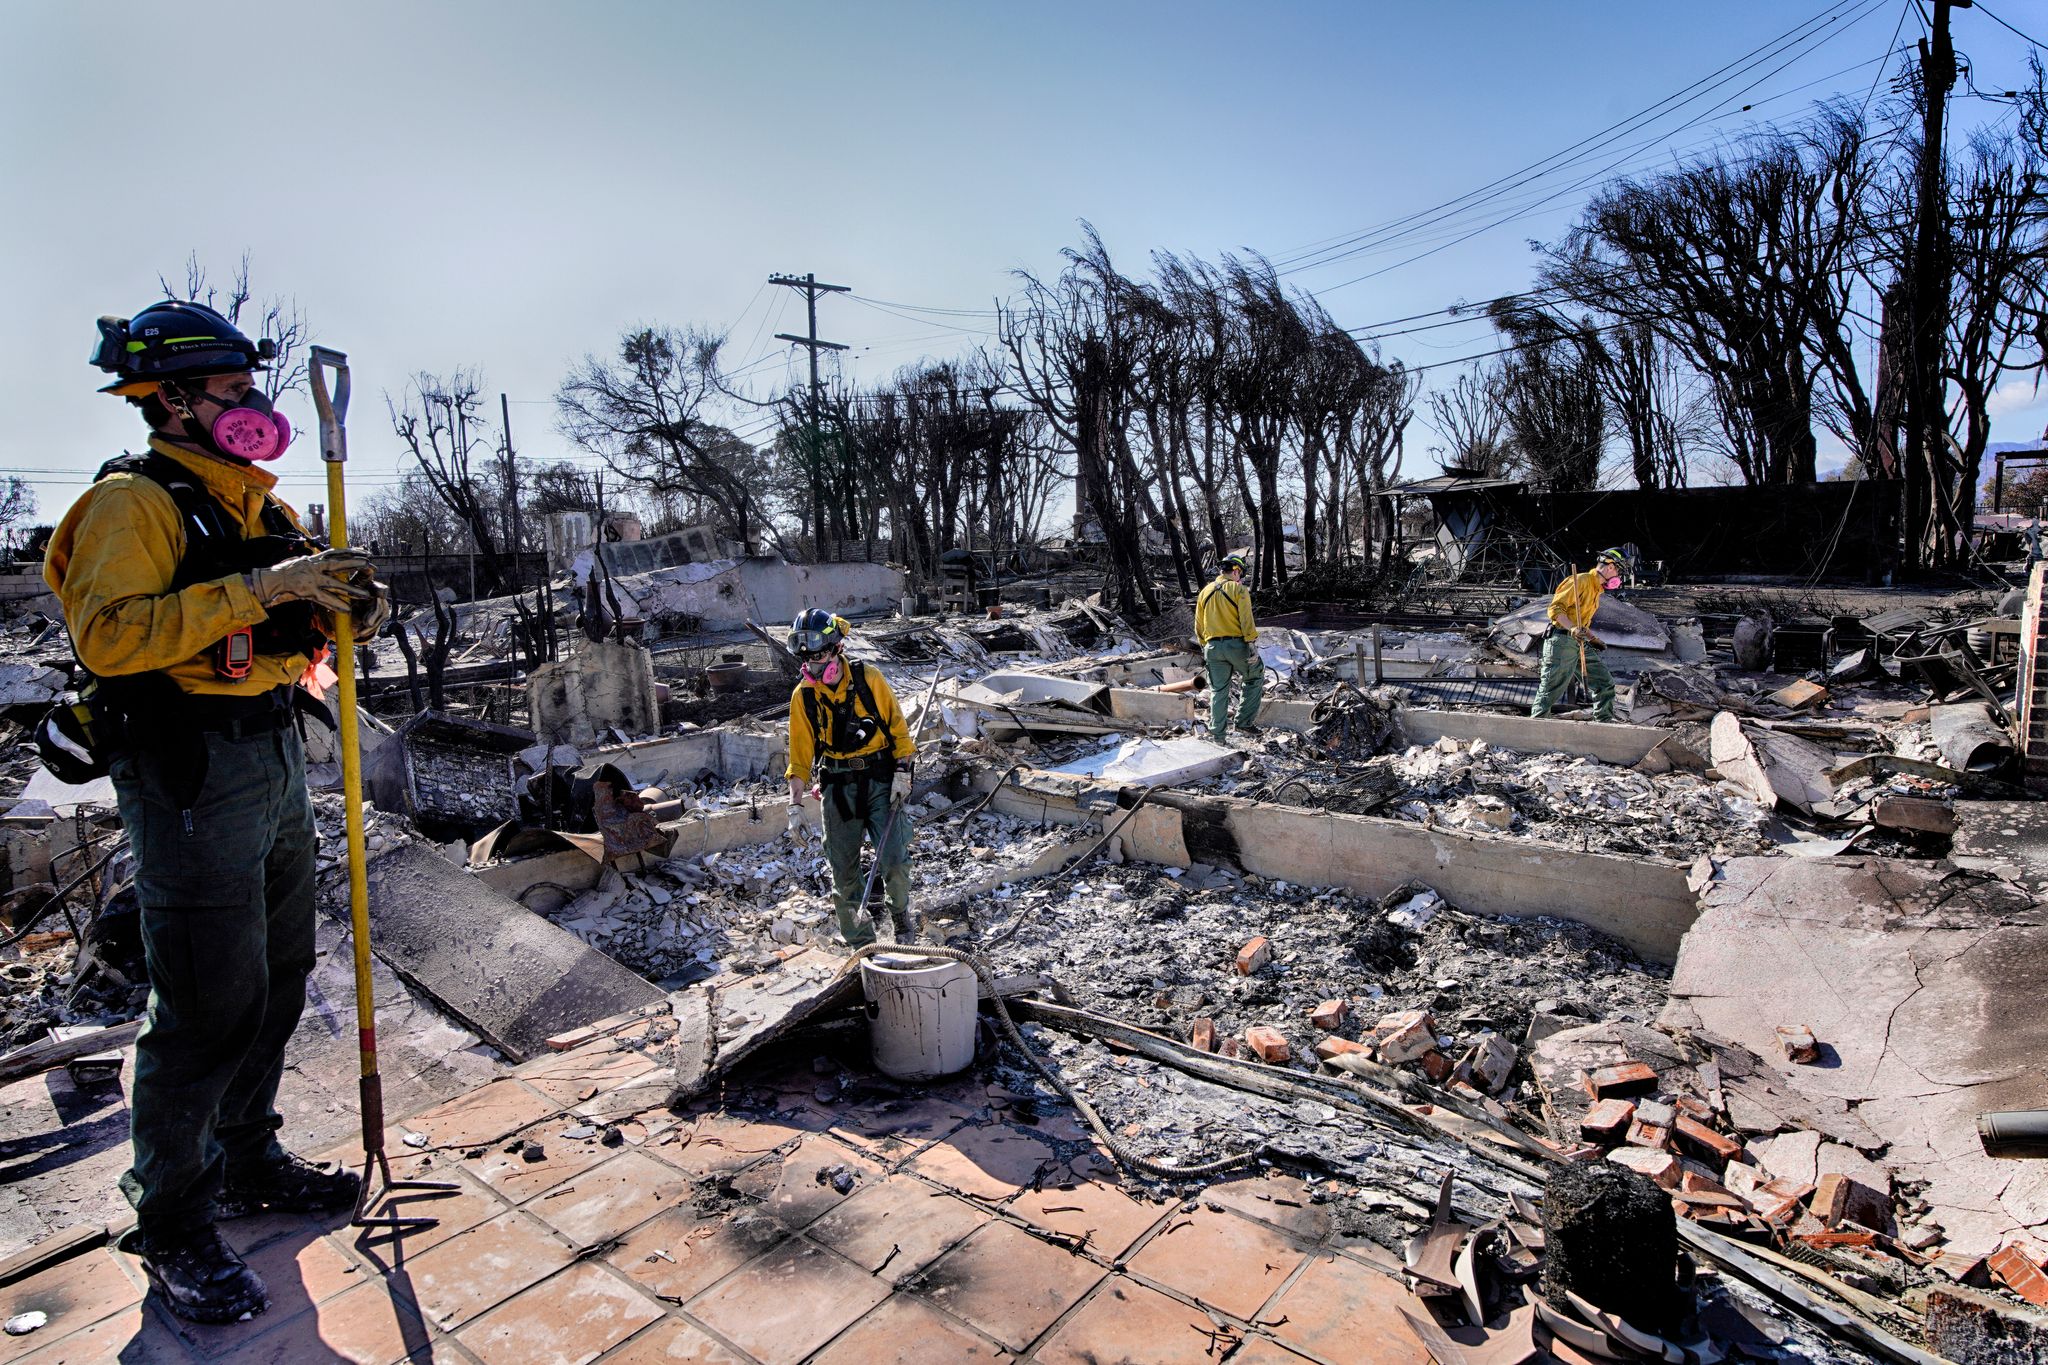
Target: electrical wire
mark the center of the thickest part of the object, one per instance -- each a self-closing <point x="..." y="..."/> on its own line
<point x="2031" y="41"/>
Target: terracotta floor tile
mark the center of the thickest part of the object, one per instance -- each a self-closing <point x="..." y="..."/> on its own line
<point x="713" y="1144"/>
<point x="466" y="1275"/>
<point x="1222" y="1260"/>
<point x="512" y="1175"/>
<point x="137" y="1335"/>
<point x="1108" y="1218"/>
<point x="797" y="1188"/>
<point x="1008" y="1283"/>
<point x="1336" y="1305"/>
<point x="1129" y="1324"/>
<point x="643" y="1096"/>
<point x="75" y="1293"/>
<point x="894" y="1128"/>
<point x="490" y="1113"/>
<point x="575" y="1317"/>
<point x="789" y="1303"/>
<point x="569" y="1078"/>
<point x="606" y="1201"/>
<point x="456" y="1214"/>
<point x="1281" y="1200"/>
<point x="898" y="1227"/>
<point x="407" y="1163"/>
<point x="678" y="1257"/>
<point x="364" y="1326"/>
<point x="991" y="1161"/>
<point x="299" y="1272"/>
<point x="907" y="1331"/>
<point x="670" y="1342"/>
<point x="1259" y="1351"/>
<point x="246" y="1234"/>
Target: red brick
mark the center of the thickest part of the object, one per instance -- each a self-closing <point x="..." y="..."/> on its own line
<point x="1649" y="1135"/>
<point x="1436" y="1066"/>
<point x="1404" y="1037"/>
<point x="1329" y="1015"/>
<point x="1629" y="1078"/>
<point x="1254" y="955"/>
<point x="1269" y="1043"/>
<point x="1659" y="1168"/>
<point x="1327" y="1048"/>
<point x="1798" y="1042"/>
<point x="1203" y="1035"/>
<point x="2017" y="1269"/>
<point x="1228" y="1046"/>
<point x="1607" y="1121"/>
<point x="1690" y="1132"/>
<point x="1839" y="1198"/>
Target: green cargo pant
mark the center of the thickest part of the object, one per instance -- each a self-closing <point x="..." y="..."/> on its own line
<point x="223" y="836"/>
<point x="1561" y="665"/>
<point x="857" y="809"/>
<point x="1225" y="659"/>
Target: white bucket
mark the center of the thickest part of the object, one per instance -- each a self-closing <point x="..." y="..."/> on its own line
<point x="921" y="1014"/>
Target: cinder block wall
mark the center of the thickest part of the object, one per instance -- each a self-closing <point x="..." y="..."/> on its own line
<point x="2034" y="681"/>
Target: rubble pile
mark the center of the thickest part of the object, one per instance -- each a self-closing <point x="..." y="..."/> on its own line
<point x="1579" y="802"/>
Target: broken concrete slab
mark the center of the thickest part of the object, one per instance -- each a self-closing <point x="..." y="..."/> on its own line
<point x="1771" y="767"/>
<point x="1925" y="985"/>
<point x="496" y="966"/>
<point x="2007" y="838"/>
<point x="744" y="1014"/>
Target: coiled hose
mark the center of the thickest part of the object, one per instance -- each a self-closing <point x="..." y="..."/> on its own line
<point x="1124" y="1155"/>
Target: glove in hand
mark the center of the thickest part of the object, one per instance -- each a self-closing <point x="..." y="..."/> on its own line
<point x="369" y="617"/>
<point x="325" y="579"/>
<point x="899" y="790"/>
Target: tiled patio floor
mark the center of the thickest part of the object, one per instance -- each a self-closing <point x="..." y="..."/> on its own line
<point x="785" y="1228"/>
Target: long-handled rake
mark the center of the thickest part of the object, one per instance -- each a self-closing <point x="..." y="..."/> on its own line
<point x="333" y="409"/>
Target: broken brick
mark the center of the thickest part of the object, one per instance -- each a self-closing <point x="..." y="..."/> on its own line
<point x="1254" y="955"/>
<point x="1607" y="1121"/>
<point x="1692" y="1133"/>
<point x="1405" y="1036"/>
<point x="1696" y="1108"/>
<point x="1630" y="1078"/>
<point x="1329" y="1015"/>
<point x="1202" y="1035"/>
<point x="2018" y="1268"/>
<point x="1656" y="1113"/>
<point x="1659" y="1168"/>
<point x="1327" y="1048"/>
<point x="1692" y="1182"/>
<point x="1228" y="1046"/>
<point x="1798" y="1042"/>
<point x="1436" y="1066"/>
<point x="1649" y="1135"/>
<point x="1269" y="1043"/>
<point x="1493" y="1059"/>
<point x="1841" y="1199"/>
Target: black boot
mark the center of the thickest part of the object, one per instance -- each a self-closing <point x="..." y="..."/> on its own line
<point x="290" y="1185"/>
<point x="200" y="1276"/>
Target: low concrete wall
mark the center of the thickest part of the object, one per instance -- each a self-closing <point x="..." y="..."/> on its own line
<point x="1644" y="902"/>
<point x="1608" y="742"/>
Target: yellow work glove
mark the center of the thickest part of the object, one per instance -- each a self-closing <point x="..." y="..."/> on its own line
<point x="899" y="790"/>
<point x="323" y="579"/>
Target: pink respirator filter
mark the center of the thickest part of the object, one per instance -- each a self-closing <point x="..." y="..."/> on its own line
<point x="249" y="434"/>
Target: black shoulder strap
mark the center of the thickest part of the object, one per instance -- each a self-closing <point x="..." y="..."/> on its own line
<point x="867" y="699"/>
<point x="198" y="510"/>
<point x="810" y="696"/>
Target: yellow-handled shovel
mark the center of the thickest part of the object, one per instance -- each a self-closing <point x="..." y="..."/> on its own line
<point x="332" y="406"/>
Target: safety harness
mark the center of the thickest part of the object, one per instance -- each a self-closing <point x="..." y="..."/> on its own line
<point x="837" y="729"/>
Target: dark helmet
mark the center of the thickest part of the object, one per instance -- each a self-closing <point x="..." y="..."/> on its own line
<point x="816" y="632"/>
<point x="1230" y="562"/>
<point x="173" y="340"/>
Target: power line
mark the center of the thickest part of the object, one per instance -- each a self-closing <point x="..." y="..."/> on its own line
<point x="2035" y="42"/>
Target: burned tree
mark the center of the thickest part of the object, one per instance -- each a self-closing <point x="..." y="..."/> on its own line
<point x="440" y="421"/>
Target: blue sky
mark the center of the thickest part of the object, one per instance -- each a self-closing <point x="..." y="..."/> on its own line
<point x="508" y="185"/>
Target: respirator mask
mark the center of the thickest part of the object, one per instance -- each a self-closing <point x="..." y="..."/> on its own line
<point x="826" y="671"/>
<point x="247" y="428"/>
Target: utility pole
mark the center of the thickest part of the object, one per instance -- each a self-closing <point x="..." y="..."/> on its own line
<point x="1927" y="427"/>
<point x="809" y="286"/>
<point x="514" y="530"/>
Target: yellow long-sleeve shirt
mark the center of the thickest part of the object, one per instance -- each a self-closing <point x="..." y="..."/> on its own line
<point x="1223" y="611"/>
<point x="806" y="745"/>
<point x="1576" y="600"/>
<point x="111" y="561"/>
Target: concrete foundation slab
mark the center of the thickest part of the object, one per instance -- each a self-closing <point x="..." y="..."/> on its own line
<point x="1923" y="989"/>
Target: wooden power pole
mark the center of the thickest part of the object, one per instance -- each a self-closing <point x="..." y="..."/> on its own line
<point x="1927" y="425"/>
<point x="810" y="288"/>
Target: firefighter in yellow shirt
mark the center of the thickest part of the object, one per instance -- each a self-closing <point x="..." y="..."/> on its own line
<point x="1571" y="639"/>
<point x="1230" y="647"/>
<point x="195" y="601"/>
<point x="845" y="723"/>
